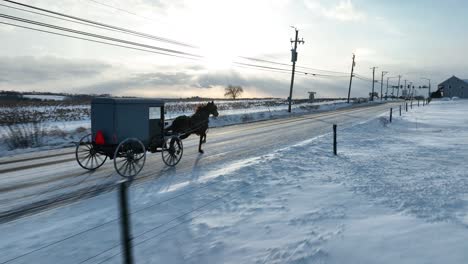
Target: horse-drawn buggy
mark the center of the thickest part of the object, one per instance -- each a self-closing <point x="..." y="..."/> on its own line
<point x="125" y="129"/>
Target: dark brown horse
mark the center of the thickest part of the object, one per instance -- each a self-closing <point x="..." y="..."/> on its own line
<point x="195" y="124"/>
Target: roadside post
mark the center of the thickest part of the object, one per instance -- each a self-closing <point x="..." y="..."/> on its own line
<point x="125" y="229"/>
<point x="391" y="113"/>
<point x="400" y="110"/>
<point x="334" y="140"/>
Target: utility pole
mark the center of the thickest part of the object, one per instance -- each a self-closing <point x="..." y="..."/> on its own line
<point x="381" y="85"/>
<point x="293" y="59"/>
<point x="398" y="89"/>
<point x="373" y="82"/>
<point x="386" y="91"/>
<point x="406" y="96"/>
<point x="412" y="91"/>
<point x="393" y="87"/>
<point x="429" y="88"/>
<point x="351" y="78"/>
<point x="427" y="79"/>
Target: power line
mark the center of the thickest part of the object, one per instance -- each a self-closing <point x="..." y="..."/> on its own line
<point x="243" y="57"/>
<point x="56" y="17"/>
<point x="263" y="67"/>
<point x="95" y="35"/>
<point x="250" y="66"/>
<point x="322" y="75"/>
<point x="123" y="10"/>
<point x="103" y="25"/>
<point x="96" y="41"/>
<point x="370" y="80"/>
<point x="78" y="22"/>
<point x="284" y="64"/>
<point x="135" y="33"/>
<point x="267" y="61"/>
<point x="315" y="69"/>
<point x="236" y="64"/>
<point x="138" y="44"/>
<point x="197" y="57"/>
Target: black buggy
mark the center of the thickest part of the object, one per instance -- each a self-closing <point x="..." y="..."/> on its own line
<point x="123" y="130"/>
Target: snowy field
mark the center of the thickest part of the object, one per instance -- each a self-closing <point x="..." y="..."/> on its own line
<point x="396" y="193"/>
<point x="57" y="133"/>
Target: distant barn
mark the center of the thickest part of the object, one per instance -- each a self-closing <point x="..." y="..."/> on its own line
<point x="454" y="87"/>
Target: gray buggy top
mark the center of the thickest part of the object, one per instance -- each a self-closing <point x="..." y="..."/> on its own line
<point x="121" y="118"/>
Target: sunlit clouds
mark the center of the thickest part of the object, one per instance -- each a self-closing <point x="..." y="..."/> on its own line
<point x="385" y="35"/>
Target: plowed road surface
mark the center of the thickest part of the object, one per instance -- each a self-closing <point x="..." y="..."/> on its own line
<point x="38" y="181"/>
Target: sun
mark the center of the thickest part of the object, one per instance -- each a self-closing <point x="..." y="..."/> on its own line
<point x="219" y="59"/>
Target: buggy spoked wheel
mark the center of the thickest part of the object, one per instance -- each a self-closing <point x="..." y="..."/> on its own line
<point x="129" y="157"/>
<point x="172" y="151"/>
<point x="86" y="154"/>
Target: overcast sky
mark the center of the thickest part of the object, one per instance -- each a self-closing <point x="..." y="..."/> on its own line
<point x="410" y="38"/>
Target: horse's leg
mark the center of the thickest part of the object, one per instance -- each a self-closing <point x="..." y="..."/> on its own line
<point x="184" y="136"/>
<point x="199" y="145"/>
<point x="204" y="138"/>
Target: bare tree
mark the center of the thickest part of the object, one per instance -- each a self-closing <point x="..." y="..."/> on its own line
<point x="233" y="91"/>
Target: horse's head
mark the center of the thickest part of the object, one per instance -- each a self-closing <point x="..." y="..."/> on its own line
<point x="212" y="108"/>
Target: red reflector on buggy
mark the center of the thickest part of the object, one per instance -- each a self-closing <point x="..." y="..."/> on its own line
<point x="100" y="138"/>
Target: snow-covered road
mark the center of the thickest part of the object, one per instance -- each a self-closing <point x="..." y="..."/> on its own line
<point x="272" y="192"/>
<point x="33" y="185"/>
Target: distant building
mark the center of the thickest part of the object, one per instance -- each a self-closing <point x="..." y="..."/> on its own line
<point x="454" y="86"/>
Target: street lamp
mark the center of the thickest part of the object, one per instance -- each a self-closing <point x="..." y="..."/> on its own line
<point x="427" y="79"/>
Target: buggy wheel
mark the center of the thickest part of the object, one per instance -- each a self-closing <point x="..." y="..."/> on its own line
<point x="129" y="157"/>
<point x="86" y="154"/>
<point x="172" y="151"/>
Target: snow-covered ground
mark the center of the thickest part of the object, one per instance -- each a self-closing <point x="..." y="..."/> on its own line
<point x="61" y="134"/>
<point x="396" y="193"/>
<point x="45" y="97"/>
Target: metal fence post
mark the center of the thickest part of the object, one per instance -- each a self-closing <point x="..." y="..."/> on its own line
<point x="406" y="106"/>
<point x="334" y="140"/>
<point x="125" y="222"/>
<point x="391" y="113"/>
